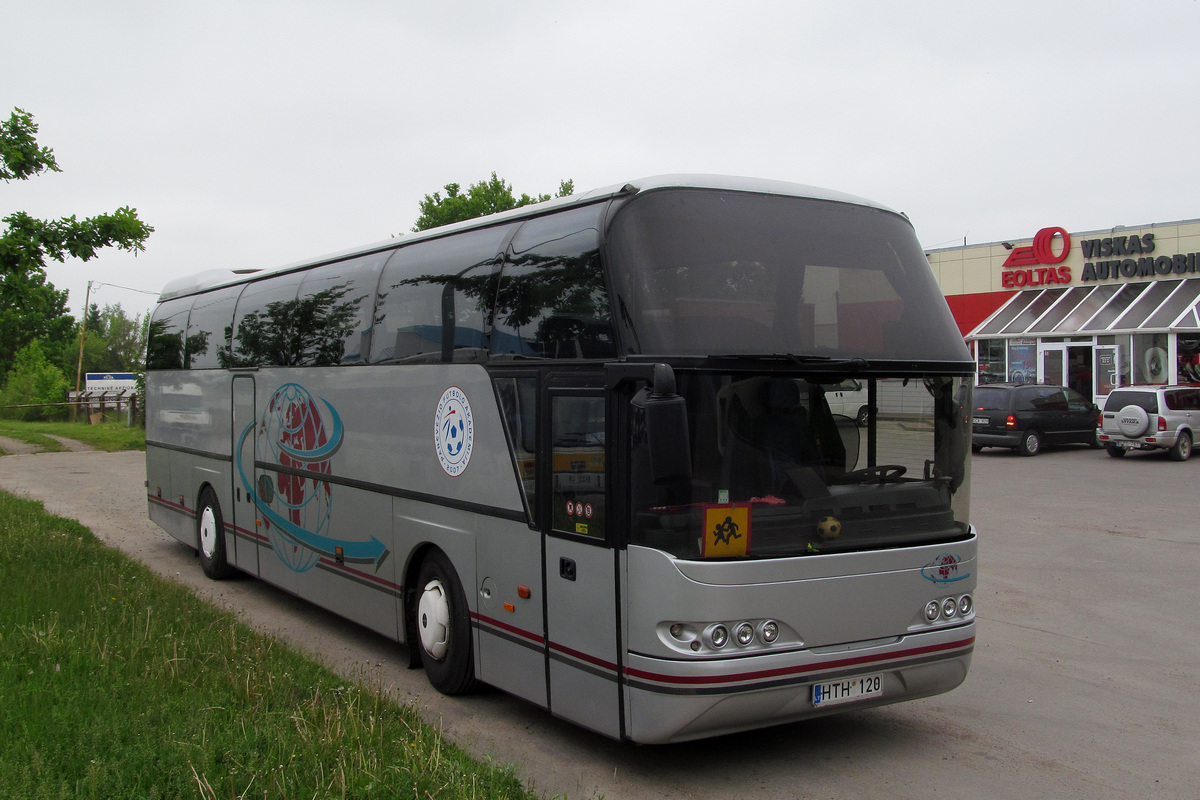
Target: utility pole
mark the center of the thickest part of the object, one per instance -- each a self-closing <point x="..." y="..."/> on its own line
<point x="87" y="298"/>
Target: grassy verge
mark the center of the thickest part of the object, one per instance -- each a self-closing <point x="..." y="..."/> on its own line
<point x="110" y="436"/>
<point x="117" y="683"/>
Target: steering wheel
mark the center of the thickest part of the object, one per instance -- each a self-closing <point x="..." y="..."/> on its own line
<point x="881" y="472"/>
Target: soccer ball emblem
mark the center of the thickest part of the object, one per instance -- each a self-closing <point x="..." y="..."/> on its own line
<point x="453" y="431"/>
<point x="828" y="527"/>
<point x="453" y="434"/>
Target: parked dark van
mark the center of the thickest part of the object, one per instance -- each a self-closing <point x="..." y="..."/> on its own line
<point x="1030" y="416"/>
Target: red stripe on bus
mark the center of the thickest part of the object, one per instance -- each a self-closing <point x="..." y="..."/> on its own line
<point x="799" y="670"/>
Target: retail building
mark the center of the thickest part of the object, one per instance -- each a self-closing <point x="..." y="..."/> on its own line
<point x="1092" y="310"/>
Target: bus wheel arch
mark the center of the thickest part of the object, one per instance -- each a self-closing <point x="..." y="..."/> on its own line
<point x="439" y="624"/>
<point x="210" y="535"/>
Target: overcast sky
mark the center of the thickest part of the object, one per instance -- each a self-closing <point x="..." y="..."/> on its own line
<point x="254" y="134"/>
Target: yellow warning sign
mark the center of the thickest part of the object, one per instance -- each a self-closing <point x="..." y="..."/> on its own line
<point x="726" y="531"/>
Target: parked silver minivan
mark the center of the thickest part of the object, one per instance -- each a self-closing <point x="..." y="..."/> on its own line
<point x="1151" y="418"/>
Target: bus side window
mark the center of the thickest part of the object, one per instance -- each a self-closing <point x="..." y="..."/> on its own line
<point x="338" y="300"/>
<point x="210" y="327"/>
<point x="165" y="348"/>
<point x="267" y="331"/>
<point x="518" y="404"/>
<point x="552" y="301"/>
<point x="434" y="297"/>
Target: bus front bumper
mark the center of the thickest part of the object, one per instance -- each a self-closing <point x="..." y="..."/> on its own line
<point x="675" y="701"/>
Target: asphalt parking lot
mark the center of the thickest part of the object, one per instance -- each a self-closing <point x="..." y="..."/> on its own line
<point x="1083" y="683"/>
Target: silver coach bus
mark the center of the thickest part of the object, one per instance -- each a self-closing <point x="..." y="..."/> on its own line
<point x="581" y="451"/>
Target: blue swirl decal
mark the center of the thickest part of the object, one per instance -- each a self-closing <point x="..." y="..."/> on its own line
<point x="297" y="508"/>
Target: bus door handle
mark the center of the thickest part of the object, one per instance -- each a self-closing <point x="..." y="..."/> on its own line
<point x="566" y="568"/>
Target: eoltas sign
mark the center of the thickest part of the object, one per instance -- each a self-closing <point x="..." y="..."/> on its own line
<point x="1111" y="258"/>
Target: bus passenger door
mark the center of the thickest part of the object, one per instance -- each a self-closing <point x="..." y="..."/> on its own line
<point x="581" y="566"/>
<point x="243" y="551"/>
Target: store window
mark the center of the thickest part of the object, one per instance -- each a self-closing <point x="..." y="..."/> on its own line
<point x="990" y="355"/>
<point x="1150" y="361"/>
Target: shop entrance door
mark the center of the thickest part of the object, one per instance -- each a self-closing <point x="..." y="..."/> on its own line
<point x="1067" y="365"/>
<point x="1052" y="364"/>
<point x="1105" y="376"/>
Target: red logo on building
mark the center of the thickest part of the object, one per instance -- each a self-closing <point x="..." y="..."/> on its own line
<point x="1041" y="251"/>
<point x="1041" y="255"/>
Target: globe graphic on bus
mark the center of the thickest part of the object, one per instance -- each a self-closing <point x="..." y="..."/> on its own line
<point x="293" y="434"/>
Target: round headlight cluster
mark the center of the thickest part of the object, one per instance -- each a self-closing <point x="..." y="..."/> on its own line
<point x="722" y="635"/>
<point x="745" y="634"/>
<point x="949" y="608"/>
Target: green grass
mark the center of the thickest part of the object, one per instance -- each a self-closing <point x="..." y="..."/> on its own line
<point x="115" y="683"/>
<point x="109" y="436"/>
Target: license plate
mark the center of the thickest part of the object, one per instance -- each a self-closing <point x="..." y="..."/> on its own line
<point x="1127" y="445"/>
<point x="979" y="420"/>
<point x="848" y="690"/>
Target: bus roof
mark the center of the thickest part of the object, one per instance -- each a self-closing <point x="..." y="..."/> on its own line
<point x="216" y="278"/>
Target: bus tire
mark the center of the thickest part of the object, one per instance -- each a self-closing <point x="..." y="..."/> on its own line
<point x="210" y="537"/>
<point x="443" y="627"/>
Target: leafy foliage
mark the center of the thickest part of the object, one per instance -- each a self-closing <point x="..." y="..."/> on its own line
<point x="20" y="156"/>
<point x="33" y="379"/>
<point x="30" y="307"/>
<point x="485" y="197"/>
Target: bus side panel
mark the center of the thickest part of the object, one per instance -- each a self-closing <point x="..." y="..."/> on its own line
<point x="186" y="411"/>
<point x="510" y="630"/>
<point x="364" y="587"/>
<point x="417" y="526"/>
<point x="166" y="508"/>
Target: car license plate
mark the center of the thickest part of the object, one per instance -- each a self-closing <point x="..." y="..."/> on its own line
<point x="1127" y="445"/>
<point x="979" y="420"/>
<point x="848" y="690"/>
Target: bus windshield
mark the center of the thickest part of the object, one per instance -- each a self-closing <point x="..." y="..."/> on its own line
<point x="775" y="472"/>
<point x="701" y="272"/>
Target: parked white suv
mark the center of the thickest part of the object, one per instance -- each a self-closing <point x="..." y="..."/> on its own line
<point x="1151" y="418"/>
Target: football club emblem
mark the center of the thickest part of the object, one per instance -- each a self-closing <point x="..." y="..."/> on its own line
<point x="453" y="431"/>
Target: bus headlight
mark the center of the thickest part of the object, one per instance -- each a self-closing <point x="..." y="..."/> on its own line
<point x="769" y="631"/>
<point x="965" y="604"/>
<point x="745" y="634"/>
<point x="949" y="607"/>
<point x="719" y="636"/>
<point x="933" y="610"/>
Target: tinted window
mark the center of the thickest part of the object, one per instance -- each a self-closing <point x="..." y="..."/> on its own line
<point x="552" y="301"/>
<point x="704" y="272"/>
<point x="1182" y="400"/>
<point x="1119" y="399"/>
<point x="1041" y="398"/>
<point x="991" y="398"/>
<point x="269" y="331"/>
<point x="338" y="301"/>
<point x="434" y="297"/>
<point x="165" y="346"/>
<point x="1076" y="401"/>
<point x="210" y="327"/>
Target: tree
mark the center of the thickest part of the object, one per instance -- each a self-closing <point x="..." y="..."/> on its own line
<point x="115" y="342"/>
<point x="486" y="197"/>
<point x="33" y="379"/>
<point x="30" y="307"/>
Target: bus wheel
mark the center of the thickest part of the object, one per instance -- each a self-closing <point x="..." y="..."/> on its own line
<point x="210" y="537"/>
<point x="444" y="627"/>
